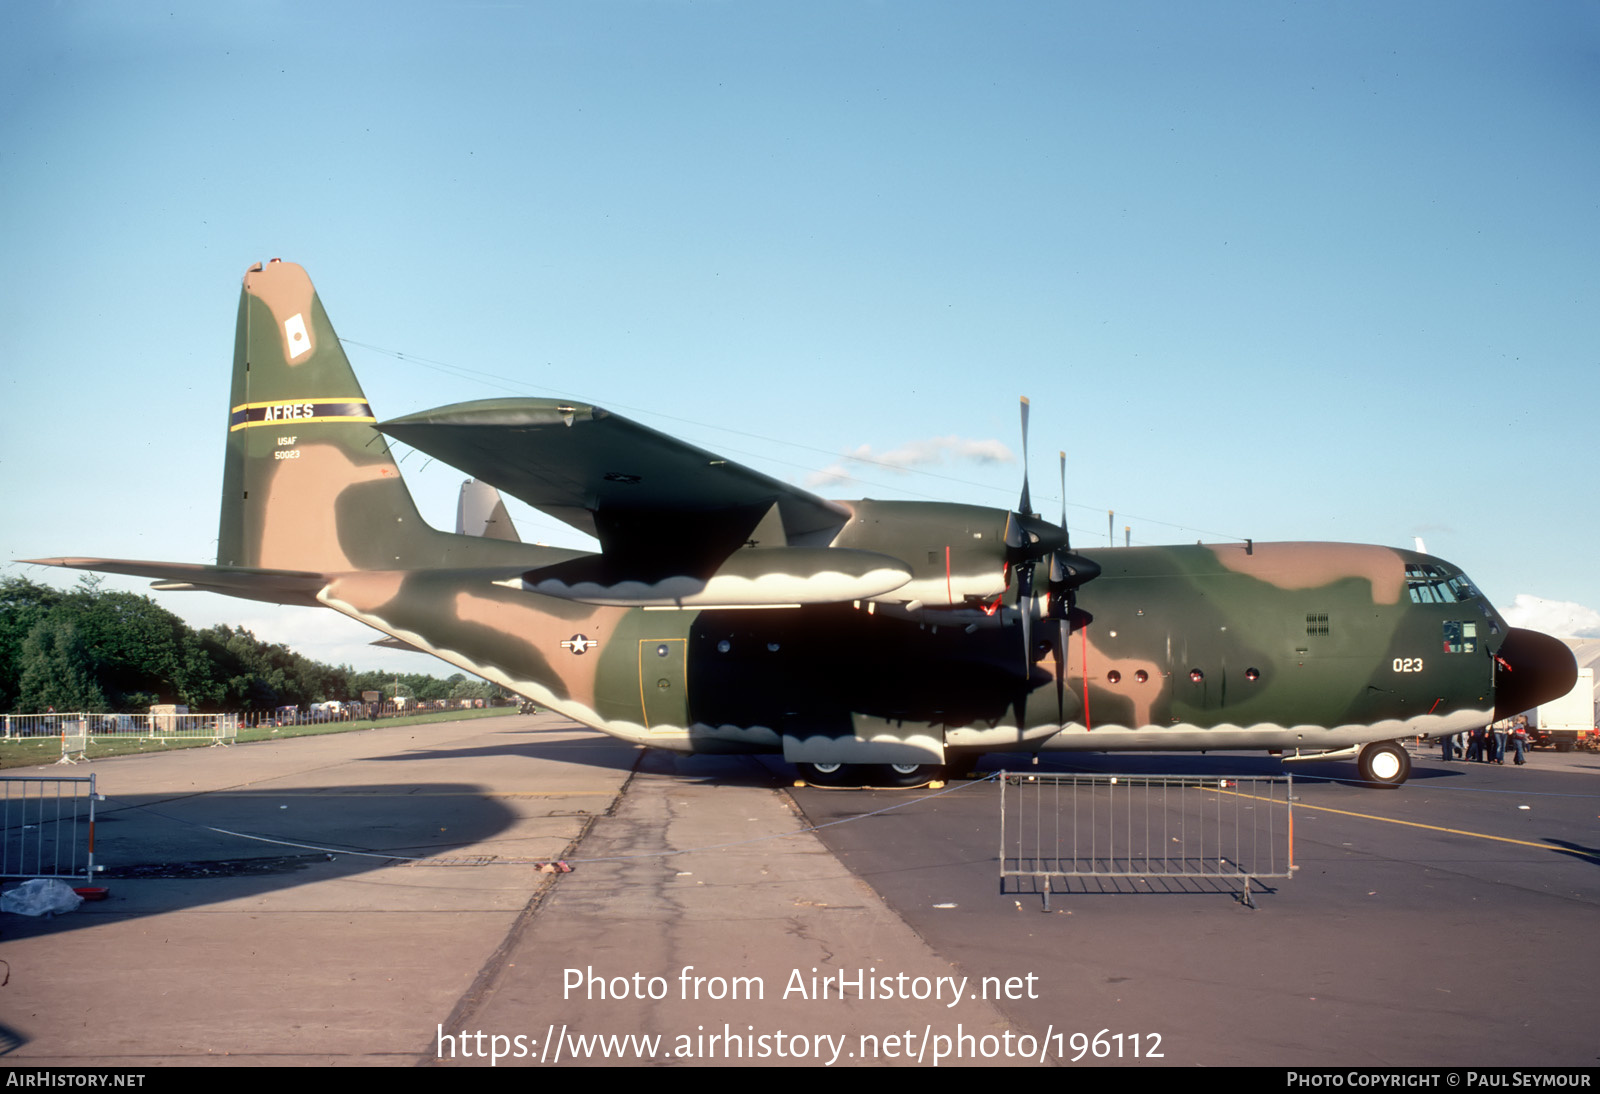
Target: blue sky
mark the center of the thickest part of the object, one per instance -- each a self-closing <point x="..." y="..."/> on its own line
<point x="1286" y="271"/>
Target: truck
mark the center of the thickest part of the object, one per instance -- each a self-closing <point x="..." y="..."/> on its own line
<point x="1566" y="721"/>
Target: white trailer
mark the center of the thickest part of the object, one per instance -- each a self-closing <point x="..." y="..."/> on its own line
<point x="1566" y="721"/>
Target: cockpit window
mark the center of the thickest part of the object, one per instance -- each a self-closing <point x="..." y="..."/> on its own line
<point x="1429" y="584"/>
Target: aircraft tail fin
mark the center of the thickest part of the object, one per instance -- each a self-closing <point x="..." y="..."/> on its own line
<point x="481" y="511"/>
<point x="309" y="482"/>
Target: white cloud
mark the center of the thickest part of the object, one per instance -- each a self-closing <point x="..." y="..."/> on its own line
<point x="932" y="452"/>
<point x="1559" y="618"/>
<point x="832" y="475"/>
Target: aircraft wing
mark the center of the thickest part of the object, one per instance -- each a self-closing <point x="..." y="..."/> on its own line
<point x="272" y="586"/>
<point x="655" y="503"/>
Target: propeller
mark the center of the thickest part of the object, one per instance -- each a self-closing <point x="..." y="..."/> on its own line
<point x="1028" y="539"/>
<point x="1058" y="604"/>
<point x="1067" y="569"/>
<point x="1067" y="572"/>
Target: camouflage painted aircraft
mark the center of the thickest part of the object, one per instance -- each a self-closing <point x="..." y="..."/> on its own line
<point x="866" y="641"/>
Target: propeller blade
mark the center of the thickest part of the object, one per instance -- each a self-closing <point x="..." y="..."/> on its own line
<point x="1025" y="606"/>
<point x="1025" y="506"/>
<point x="1063" y="632"/>
<point x="1017" y="535"/>
<point x="1028" y="539"/>
<point x="1064" y="529"/>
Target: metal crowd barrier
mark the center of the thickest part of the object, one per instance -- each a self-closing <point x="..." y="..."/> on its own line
<point x="74" y="742"/>
<point x="76" y="729"/>
<point x="1171" y="828"/>
<point x="47" y="826"/>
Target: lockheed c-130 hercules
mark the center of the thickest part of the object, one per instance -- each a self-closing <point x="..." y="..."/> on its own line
<point x="879" y="642"/>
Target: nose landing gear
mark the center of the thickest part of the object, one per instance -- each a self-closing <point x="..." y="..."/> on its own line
<point x="1384" y="763"/>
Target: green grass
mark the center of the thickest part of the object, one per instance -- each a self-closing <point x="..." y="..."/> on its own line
<point x="33" y="751"/>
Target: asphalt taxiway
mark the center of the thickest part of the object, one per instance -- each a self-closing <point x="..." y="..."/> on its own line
<point x="402" y="918"/>
<point x="1447" y="922"/>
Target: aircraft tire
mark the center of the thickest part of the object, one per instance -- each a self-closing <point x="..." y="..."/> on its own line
<point x="901" y="776"/>
<point x="1385" y="763"/>
<point x="883" y="776"/>
<point x="829" y="775"/>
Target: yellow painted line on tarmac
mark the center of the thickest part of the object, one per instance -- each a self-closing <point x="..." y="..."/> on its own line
<point x="1418" y="824"/>
<point x="323" y="793"/>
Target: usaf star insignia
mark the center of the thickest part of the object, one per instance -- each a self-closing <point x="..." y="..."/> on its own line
<point x="579" y="643"/>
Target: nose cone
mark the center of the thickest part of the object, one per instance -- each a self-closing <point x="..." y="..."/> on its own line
<point x="1531" y="668"/>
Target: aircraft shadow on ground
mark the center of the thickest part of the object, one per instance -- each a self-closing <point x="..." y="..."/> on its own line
<point x="164" y="855"/>
<point x="1587" y="855"/>
<point x="760" y="772"/>
<point x="612" y="755"/>
<point x="601" y="752"/>
<point x="1155" y="885"/>
<point x="607" y="753"/>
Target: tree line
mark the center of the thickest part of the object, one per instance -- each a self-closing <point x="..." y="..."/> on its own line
<point x="86" y="649"/>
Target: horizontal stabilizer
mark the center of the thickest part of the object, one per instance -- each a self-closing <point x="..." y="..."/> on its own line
<point x="392" y="643"/>
<point x="273" y="586"/>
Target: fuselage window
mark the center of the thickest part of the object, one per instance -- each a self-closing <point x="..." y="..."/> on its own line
<point x="1460" y="637"/>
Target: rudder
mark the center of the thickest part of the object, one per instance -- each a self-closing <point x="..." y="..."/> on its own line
<point x="308" y="480"/>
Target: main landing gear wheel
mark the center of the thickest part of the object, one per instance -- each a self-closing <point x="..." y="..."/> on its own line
<point x="886" y="776"/>
<point x="905" y="775"/>
<point x="829" y="775"/>
<point x="1385" y="763"/>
